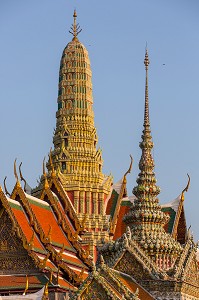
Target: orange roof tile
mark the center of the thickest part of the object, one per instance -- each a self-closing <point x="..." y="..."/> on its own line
<point x="19" y="281"/>
<point x="72" y="258"/>
<point x="121" y="226"/>
<point x="64" y="215"/>
<point x="65" y="284"/>
<point x="47" y="220"/>
<point x="25" y="226"/>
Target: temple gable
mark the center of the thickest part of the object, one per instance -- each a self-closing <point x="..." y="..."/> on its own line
<point x="13" y="256"/>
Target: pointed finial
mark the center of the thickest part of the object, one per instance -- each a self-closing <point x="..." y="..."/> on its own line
<point x="44" y="169"/>
<point x="75" y="28"/>
<point x="46" y="186"/>
<point x="146" y="59"/>
<point x="22" y="178"/>
<point x="5" y="187"/>
<point x="15" y="172"/>
<point x="51" y="163"/>
<point x="130" y="167"/>
<point x="186" y="188"/>
<point x="146" y="108"/>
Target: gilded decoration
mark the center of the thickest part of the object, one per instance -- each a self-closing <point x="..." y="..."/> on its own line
<point x="68" y="238"/>
<point x="13" y="256"/>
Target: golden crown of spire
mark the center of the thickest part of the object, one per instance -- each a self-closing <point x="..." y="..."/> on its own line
<point x="75" y="28"/>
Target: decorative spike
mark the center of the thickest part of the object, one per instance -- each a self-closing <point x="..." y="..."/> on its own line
<point x="46" y="185"/>
<point x="51" y="163"/>
<point x="146" y="109"/>
<point x="44" y="169"/>
<point x="5" y="188"/>
<point x="21" y="177"/>
<point x="186" y="188"/>
<point x="130" y="167"/>
<point x="15" y="173"/>
<point x="75" y="28"/>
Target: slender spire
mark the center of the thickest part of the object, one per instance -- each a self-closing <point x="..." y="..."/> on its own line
<point x="146" y="110"/>
<point x="75" y="28"/>
<point x="146" y="164"/>
<point x="146" y="190"/>
<point x="145" y="216"/>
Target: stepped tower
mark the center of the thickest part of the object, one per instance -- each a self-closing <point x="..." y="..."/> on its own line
<point x="145" y="218"/>
<point x="75" y="157"/>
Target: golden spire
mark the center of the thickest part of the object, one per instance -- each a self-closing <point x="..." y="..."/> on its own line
<point x="75" y="28"/>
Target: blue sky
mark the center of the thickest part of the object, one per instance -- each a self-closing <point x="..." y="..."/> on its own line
<point x="32" y="37"/>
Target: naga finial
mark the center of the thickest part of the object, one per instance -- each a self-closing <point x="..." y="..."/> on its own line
<point x="5" y="187"/>
<point x="15" y="172"/>
<point x="130" y="167"/>
<point x="22" y="178"/>
<point x="75" y="28"/>
<point x="186" y="188"/>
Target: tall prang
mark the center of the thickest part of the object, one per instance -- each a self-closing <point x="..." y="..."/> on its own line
<point x="146" y="219"/>
<point x="75" y="157"/>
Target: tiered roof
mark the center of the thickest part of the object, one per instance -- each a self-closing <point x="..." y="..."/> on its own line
<point x="107" y="283"/>
<point x="48" y="235"/>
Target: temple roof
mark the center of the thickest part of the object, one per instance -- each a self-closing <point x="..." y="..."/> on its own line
<point x="105" y="282"/>
<point x="18" y="282"/>
<point x="44" y="237"/>
<point x="177" y="222"/>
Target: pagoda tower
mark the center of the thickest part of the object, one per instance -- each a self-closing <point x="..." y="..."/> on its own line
<point x="75" y="158"/>
<point x="145" y="218"/>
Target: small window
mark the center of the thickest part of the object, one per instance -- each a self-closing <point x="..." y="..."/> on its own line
<point x="63" y="166"/>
